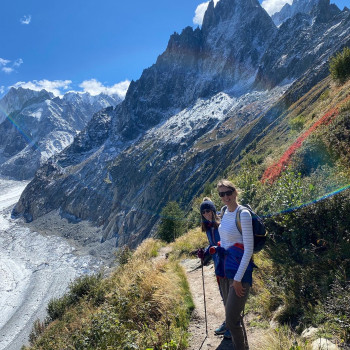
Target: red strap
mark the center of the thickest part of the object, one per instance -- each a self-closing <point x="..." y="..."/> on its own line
<point x="239" y="245"/>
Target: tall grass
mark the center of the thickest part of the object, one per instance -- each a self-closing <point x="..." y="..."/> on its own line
<point x="146" y="305"/>
<point x="283" y="338"/>
<point x="188" y="243"/>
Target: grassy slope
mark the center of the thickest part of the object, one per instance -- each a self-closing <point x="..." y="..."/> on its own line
<point x="144" y="303"/>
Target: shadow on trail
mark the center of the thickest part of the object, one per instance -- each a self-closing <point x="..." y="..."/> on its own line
<point x="226" y="344"/>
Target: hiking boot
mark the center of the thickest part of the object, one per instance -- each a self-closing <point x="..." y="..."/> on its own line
<point x="221" y="329"/>
<point x="227" y="334"/>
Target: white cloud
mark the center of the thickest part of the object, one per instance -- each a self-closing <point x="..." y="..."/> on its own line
<point x="18" y="62"/>
<point x="273" y="6"/>
<point x="94" y="87"/>
<point x="26" y="19"/>
<point x="200" y="11"/>
<point x="59" y="87"/>
<point x="52" y="86"/>
<point x="4" y="62"/>
<point x="7" y="70"/>
<point x="2" y="89"/>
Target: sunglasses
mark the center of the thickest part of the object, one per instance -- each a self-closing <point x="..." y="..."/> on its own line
<point x="205" y="211"/>
<point x="227" y="193"/>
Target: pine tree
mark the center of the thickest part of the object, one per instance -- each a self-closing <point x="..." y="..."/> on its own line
<point x="172" y="224"/>
<point x="340" y="66"/>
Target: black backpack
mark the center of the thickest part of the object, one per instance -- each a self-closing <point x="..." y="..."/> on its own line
<point x="259" y="230"/>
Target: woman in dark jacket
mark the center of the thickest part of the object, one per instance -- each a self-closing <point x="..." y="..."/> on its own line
<point x="210" y="224"/>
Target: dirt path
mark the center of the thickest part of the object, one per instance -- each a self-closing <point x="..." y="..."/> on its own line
<point x="215" y="311"/>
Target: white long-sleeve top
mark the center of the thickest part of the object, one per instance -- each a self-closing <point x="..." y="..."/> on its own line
<point x="229" y="235"/>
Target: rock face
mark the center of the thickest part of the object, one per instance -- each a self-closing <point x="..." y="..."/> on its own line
<point x="289" y="11"/>
<point x="186" y="119"/>
<point x="304" y="44"/>
<point x="16" y="99"/>
<point x="223" y="55"/>
<point x="38" y="125"/>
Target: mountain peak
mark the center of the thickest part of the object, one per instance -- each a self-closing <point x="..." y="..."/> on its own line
<point x="321" y="10"/>
<point x="188" y="38"/>
<point x="226" y="10"/>
<point x="18" y="97"/>
<point x="324" y="11"/>
<point x="29" y="93"/>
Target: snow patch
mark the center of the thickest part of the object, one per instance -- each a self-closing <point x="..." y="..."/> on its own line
<point x="181" y="125"/>
<point x="55" y="143"/>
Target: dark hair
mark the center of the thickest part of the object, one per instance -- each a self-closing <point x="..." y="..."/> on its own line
<point x="208" y="204"/>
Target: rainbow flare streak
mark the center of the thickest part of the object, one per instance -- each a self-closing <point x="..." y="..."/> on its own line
<point x="288" y="210"/>
<point x="28" y="139"/>
<point x="274" y="171"/>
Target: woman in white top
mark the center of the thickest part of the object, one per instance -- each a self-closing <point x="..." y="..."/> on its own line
<point x="238" y="261"/>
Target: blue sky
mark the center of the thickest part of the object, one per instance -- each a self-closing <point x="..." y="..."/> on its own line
<point x="90" y="45"/>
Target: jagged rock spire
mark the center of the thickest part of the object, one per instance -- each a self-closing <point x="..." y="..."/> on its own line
<point x="324" y="11"/>
<point x="229" y="10"/>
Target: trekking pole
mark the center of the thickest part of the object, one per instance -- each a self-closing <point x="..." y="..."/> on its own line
<point x="244" y="331"/>
<point x="205" y="304"/>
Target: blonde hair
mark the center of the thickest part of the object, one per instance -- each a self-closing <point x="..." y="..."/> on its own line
<point x="226" y="183"/>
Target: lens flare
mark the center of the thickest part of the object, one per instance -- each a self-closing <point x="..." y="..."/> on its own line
<point x="326" y="196"/>
<point x="28" y="139"/>
<point x="274" y="171"/>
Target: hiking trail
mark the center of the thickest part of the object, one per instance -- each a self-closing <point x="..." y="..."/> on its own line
<point x="215" y="311"/>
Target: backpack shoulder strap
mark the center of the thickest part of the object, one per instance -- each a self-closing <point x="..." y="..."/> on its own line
<point x="222" y="211"/>
<point x="238" y="218"/>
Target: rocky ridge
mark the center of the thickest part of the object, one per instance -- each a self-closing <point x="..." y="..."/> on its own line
<point x="38" y="125"/>
<point x="304" y="44"/>
<point x="290" y="10"/>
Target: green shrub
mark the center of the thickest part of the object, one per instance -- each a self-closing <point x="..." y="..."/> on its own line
<point x="312" y="155"/>
<point x="297" y="123"/>
<point x="83" y="285"/>
<point x="57" y="307"/>
<point x="102" y="331"/>
<point x="337" y="138"/>
<point x="172" y="223"/>
<point x="286" y="193"/>
<point x="310" y="246"/>
<point x="324" y="96"/>
<point x="88" y="285"/>
<point x="123" y="255"/>
<point x="248" y="181"/>
<point x="194" y="216"/>
<point x="340" y="66"/>
<point x="344" y="107"/>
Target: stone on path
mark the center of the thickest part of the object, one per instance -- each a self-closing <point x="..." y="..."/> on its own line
<point x="323" y="344"/>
